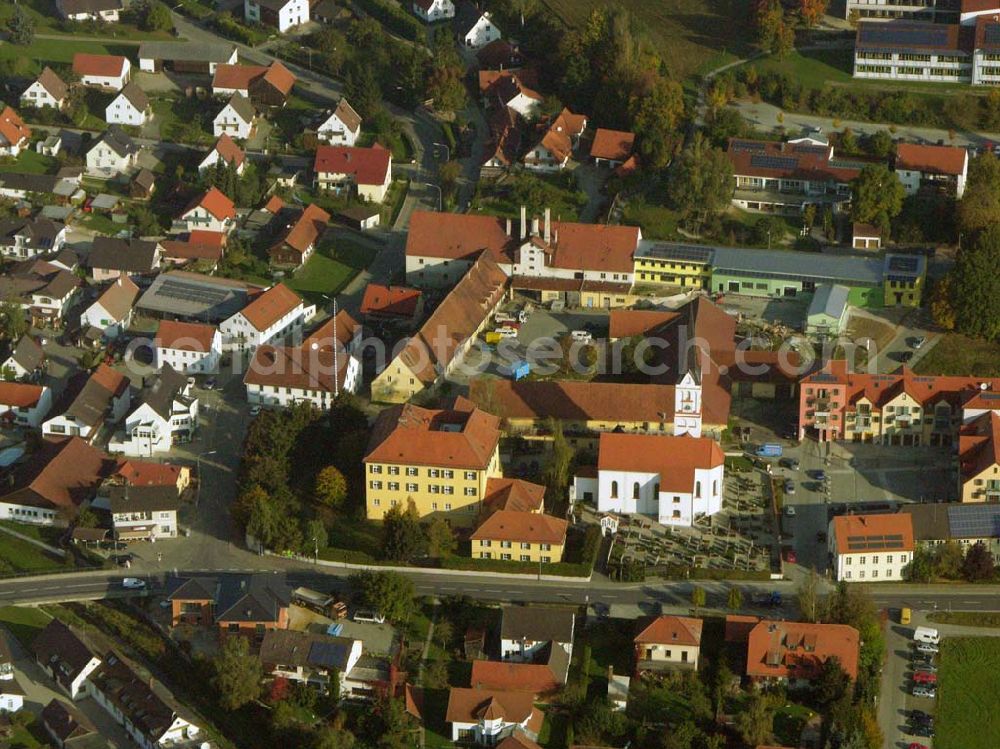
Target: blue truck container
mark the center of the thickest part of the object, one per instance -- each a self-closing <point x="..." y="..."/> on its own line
<point x="516" y="370"/>
<point x="769" y="450"/>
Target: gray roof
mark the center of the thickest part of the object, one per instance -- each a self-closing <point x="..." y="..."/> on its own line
<point x="819" y="267"/>
<point x="27" y="353"/>
<point x="143" y="498"/>
<point x="193" y="296"/>
<point x="39" y="232"/>
<point x="930" y="521"/>
<point x="162" y="389"/>
<point x="186" y="51"/>
<point x="72" y="7"/>
<point x="41" y="183"/>
<point x="237" y="597"/>
<point x="290" y="648"/>
<point x="467" y="15"/>
<point x="118" y="140"/>
<point x="904" y="267"/>
<point x="127" y="255"/>
<point x="243" y="107"/>
<point x="829" y="300"/>
<point x="537" y="624"/>
<point x="90" y="402"/>
<point x="973" y="520"/>
<point x="53" y="83"/>
<point x="60" y="649"/>
<point x="136" y="96"/>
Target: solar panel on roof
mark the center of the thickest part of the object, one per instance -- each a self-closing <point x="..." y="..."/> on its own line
<point x="992" y="33"/>
<point x="903" y="263"/>
<point x="681" y="252"/>
<point x="765" y="161"/>
<point x="327" y="653"/>
<point x="191" y="293"/>
<point x="971" y="521"/>
<point x="909" y="35"/>
<point x="748" y="145"/>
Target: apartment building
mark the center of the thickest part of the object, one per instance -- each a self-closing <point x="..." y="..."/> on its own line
<point x="440" y="459"/>
<point x="277" y="312"/>
<point x="192" y="348"/>
<point x="979" y="455"/>
<point x="896" y="409"/>
<point x="520" y="537"/>
<point x="793" y="653"/>
<point x="870" y="548"/>
<point x="932" y="168"/>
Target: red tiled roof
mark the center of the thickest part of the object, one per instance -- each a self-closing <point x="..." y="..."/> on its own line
<point x="931" y="159"/>
<point x="12" y="127"/>
<point x="343" y="325"/>
<point x="236" y="76"/>
<point x="228" y="150"/>
<point x="174" y="249"/>
<point x="473" y="705"/>
<point x="593" y="246"/>
<point x="269" y="307"/>
<point x="146" y="473"/>
<point x="789" y="161"/>
<point x="61" y="474"/>
<point x="874" y="528"/>
<point x="297" y="367"/>
<point x="674" y="459"/>
<point x="526" y="527"/>
<point x="628" y="323"/>
<point x="305" y="230"/>
<point x="514" y="677"/>
<point x="280" y="77"/>
<point x="738" y="628"/>
<point x="110" y="379"/>
<point x="456" y="235"/>
<point x="798" y="649"/>
<point x="216" y="203"/>
<point x="274" y="204"/>
<point x="558" y="137"/>
<point x="462" y="436"/>
<point x="368" y="166"/>
<point x="390" y="300"/>
<point x="185" y="336"/>
<point x="19" y="394"/>
<point x="513" y="494"/>
<point x="614" y="145"/>
<point x="979" y="445"/>
<point x="676" y="630"/>
<point x="99" y="65"/>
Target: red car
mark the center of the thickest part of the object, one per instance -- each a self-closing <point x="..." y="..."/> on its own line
<point x="916" y="745"/>
<point x="924" y="677"/>
<point x="790" y="556"/>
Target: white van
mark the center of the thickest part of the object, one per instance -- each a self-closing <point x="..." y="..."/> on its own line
<point x="581" y="336"/>
<point x="926" y="634"/>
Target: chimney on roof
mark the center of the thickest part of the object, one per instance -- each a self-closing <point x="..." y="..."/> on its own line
<point x="524" y="222"/>
<point x="548" y="225"/>
<point x="508" y="227"/>
<point x="534" y="226"/>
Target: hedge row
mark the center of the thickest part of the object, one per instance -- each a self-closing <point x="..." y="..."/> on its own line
<point x="395" y="18"/>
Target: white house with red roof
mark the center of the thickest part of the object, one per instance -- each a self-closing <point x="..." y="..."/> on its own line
<point x="225" y="150"/>
<point x="24" y="404"/>
<point x="191" y="348"/>
<point x="14" y="134"/>
<point x="369" y="170"/>
<point x="935" y="167"/>
<point x="674" y="480"/>
<point x="102" y="71"/>
<point x="433" y="10"/>
<point x="210" y="211"/>
<point x="273" y="314"/>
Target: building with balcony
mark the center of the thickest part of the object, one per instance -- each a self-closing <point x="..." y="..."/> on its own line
<point x="979" y="458"/>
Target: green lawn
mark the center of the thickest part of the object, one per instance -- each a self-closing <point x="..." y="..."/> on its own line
<point x="23" y="622"/>
<point x="30" y="162"/>
<point x="692" y="36"/>
<point x="990" y="619"/>
<point x="20" y="556"/>
<point x="330" y="269"/>
<point x="657" y="221"/>
<point x="610" y="643"/>
<point x="42" y="52"/>
<point x="47" y="22"/>
<point x="184" y="120"/>
<point x="788" y="723"/>
<point x="956" y="354"/>
<point x="46" y="534"/>
<point x="968" y="685"/>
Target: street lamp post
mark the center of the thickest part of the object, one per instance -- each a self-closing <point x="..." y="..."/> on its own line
<point x="197" y="499"/>
<point x="447" y="151"/>
<point x="440" y="195"/>
<point x="315" y="550"/>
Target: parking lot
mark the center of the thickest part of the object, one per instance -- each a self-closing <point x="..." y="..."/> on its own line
<point x="900" y="724"/>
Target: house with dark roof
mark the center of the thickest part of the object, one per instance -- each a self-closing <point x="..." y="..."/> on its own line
<point x="281" y="14"/>
<point x="309" y="658"/>
<point x="66" y="657"/>
<point x="114" y="153"/>
<point x="166" y="413"/>
<point x="668" y="642"/>
<point x="527" y="631"/>
<point x="47" y="90"/>
<point x="237" y="118"/>
<point x="71" y="729"/>
<point x="130" y="107"/>
<point x="23" y="238"/>
<point x="474" y="27"/>
<point x="434" y="10"/>
<point x="111" y="258"/>
<point x="185" y="57"/>
<point x="23" y="361"/>
<point x="111" y="312"/>
<point x="43" y="290"/>
<point x="342" y="127"/>
<point x="88" y="403"/>
<point x="235" y="604"/>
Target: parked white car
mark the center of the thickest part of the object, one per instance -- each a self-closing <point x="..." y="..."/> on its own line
<point x="583" y="336"/>
<point x="506" y="332"/>
<point x="133" y="583"/>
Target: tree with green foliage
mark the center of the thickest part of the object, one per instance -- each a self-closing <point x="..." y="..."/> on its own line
<point x="753" y="723"/>
<point x="315" y="535"/>
<point x="556" y="472"/>
<point x="440" y="539"/>
<point x="698" y="597"/>
<point x="880" y="144"/>
<point x="656" y="118"/>
<point x="978" y="564"/>
<point x="155" y="17"/>
<point x="920" y="568"/>
<point x="389" y="593"/>
<point x="774" y="32"/>
<point x="330" y="489"/>
<point x="701" y="181"/>
<point x="975" y="286"/>
<point x="13" y="323"/>
<point x="20" y="27"/>
<point x="362" y="89"/>
<point x="942" y="303"/>
<point x="832" y="682"/>
<point x="877" y="197"/>
<point x="948" y="559"/>
<point x="735" y="601"/>
<point x="979" y="207"/>
<point x="237" y="674"/>
<point x="402" y="536"/>
<point x="448" y="176"/>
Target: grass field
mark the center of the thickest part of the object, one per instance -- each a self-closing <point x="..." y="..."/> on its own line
<point x="47" y="22"/>
<point x="20" y="556"/>
<point x="989" y="619"/>
<point x="692" y="36"/>
<point x="30" y="162"/>
<point x="43" y="52"/>
<point x="23" y="622"/>
<point x="330" y="269"/>
<point x="956" y="354"/>
<point x="968" y="684"/>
